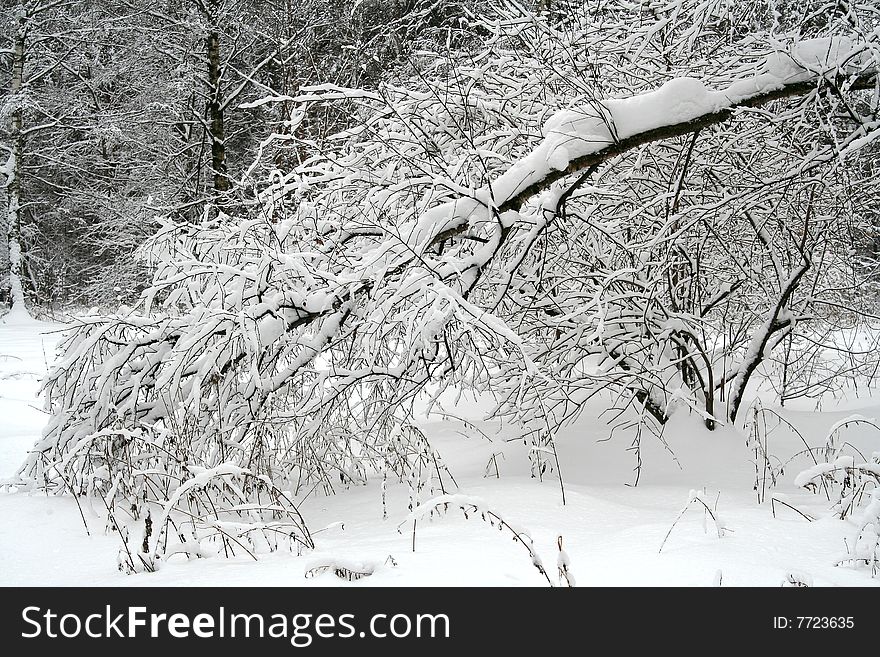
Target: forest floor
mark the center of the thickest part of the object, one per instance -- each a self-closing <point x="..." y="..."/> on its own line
<point x="612" y="531"/>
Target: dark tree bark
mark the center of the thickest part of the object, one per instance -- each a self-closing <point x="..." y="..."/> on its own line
<point x="215" y="114"/>
<point x="215" y="108"/>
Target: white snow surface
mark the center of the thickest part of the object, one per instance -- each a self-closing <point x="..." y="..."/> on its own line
<point x="612" y="531"/>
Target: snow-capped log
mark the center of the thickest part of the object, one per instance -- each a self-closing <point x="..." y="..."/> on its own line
<point x="445" y="240"/>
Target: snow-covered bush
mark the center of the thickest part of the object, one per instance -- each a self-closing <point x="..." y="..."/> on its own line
<point x="866" y="548"/>
<point x="162" y="505"/>
<point x="475" y="507"/>
<point x="698" y="499"/>
<point x="846" y="477"/>
<point x="844" y="474"/>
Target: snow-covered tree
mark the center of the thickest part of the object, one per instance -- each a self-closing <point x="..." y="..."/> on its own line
<point x="637" y="201"/>
<point x="33" y="49"/>
<point x="78" y="134"/>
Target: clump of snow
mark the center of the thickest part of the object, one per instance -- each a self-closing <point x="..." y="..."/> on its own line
<point x="807" y="58"/>
<point x="563" y="566"/>
<point x="559" y="158"/>
<point x="346" y="569"/>
<point x="850" y="419"/>
<point x="866" y="550"/>
<point x="808" y="477"/>
<point x="798" y="579"/>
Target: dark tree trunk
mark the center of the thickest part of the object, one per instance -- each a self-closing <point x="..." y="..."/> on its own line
<point x="215" y="114"/>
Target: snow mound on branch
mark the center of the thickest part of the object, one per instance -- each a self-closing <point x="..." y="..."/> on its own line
<point x="817" y="471"/>
<point x="578" y="132"/>
<point x="573" y="133"/>
<point x="814" y="56"/>
<point x="849" y="419"/>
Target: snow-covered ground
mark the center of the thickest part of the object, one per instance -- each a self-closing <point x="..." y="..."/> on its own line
<point x="612" y="531"/>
